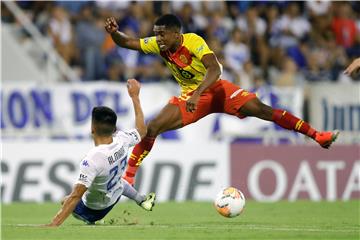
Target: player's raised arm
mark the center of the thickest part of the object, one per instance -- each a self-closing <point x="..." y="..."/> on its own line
<point x="353" y="67"/>
<point x="134" y="90"/>
<point x="68" y="205"/>
<point x="121" y="38"/>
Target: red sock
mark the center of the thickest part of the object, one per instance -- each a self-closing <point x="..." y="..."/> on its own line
<point x="140" y="151"/>
<point x="289" y="121"/>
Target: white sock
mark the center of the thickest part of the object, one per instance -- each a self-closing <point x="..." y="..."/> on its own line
<point x="130" y="192"/>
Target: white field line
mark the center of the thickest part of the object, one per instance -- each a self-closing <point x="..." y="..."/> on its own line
<point x="220" y="227"/>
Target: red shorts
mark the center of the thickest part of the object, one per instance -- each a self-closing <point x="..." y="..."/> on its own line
<point x="221" y="97"/>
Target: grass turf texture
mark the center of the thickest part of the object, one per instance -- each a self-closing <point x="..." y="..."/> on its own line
<point x="191" y="220"/>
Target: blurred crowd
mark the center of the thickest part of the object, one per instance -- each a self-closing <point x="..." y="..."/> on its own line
<point x="283" y="43"/>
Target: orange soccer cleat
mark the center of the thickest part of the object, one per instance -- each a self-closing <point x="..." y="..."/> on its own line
<point x="325" y="139"/>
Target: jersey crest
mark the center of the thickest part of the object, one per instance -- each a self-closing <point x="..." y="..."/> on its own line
<point x="181" y="58"/>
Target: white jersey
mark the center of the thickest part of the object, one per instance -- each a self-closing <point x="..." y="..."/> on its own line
<point x="102" y="168"/>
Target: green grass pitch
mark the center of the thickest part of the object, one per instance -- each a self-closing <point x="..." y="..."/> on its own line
<point x="191" y="220"/>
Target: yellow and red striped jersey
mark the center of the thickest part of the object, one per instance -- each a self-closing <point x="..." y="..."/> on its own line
<point x="185" y="64"/>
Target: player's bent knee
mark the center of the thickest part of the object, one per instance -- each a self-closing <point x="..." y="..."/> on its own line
<point x="256" y="108"/>
<point x="267" y="112"/>
<point x="153" y="129"/>
<point x="264" y="112"/>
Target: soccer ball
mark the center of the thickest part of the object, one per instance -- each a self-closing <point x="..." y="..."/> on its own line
<point x="230" y="202"/>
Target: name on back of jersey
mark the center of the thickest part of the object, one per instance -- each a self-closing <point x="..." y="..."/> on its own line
<point x="117" y="155"/>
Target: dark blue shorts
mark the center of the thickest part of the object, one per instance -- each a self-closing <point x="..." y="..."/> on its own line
<point x="89" y="215"/>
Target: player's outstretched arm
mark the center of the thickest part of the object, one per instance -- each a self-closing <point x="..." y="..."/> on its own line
<point x="69" y="205"/>
<point x="120" y="38"/>
<point x="353" y="67"/>
<point x="134" y="90"/>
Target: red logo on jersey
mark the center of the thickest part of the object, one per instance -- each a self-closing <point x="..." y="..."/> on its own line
<point x="181" y="58"/>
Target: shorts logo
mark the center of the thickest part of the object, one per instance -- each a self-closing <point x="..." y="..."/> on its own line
<point x="236" y="93"/>
<point x="244" y="93"/>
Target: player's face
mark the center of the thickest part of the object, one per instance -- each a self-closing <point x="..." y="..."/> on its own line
<point x="166" y="39"/>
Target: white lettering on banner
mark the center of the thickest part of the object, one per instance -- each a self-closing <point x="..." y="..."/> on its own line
<point x="316" y="180"/>
<point x="281" y="181"/>
<point x="353" y="184"/>
<point x="330" y="169"/>
<point x="304" y="181"/>
<point x="46" y="171"/>
<point x="36" y="180"/>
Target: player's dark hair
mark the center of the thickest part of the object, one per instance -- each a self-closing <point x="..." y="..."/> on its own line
<point x="169" y="21"/>
<point x="104" y="120"/>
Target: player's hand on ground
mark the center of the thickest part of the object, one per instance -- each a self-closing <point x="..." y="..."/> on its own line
<point x="111" y="25"/>
<point x="353" y="67"/>
<point x="48" y="225"/>
<point x="133" y="87"/>
<point x="192" y="102"/>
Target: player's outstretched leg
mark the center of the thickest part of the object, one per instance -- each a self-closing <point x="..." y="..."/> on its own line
<point x="286" y="120"/>
<point x="146" y="202"/>
<point x="140" y="151"/>
<point x="168" y="119"/>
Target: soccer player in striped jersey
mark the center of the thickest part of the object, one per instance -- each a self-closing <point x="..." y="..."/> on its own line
<point x="99" y="185"/>
<point x="197" y="71"/>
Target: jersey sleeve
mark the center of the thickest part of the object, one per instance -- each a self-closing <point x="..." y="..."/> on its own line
<point x="198" y="46"/>
<point x="149" y="45"/>
<point x="130" y="137"/>
<point x="88" y="171"/>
